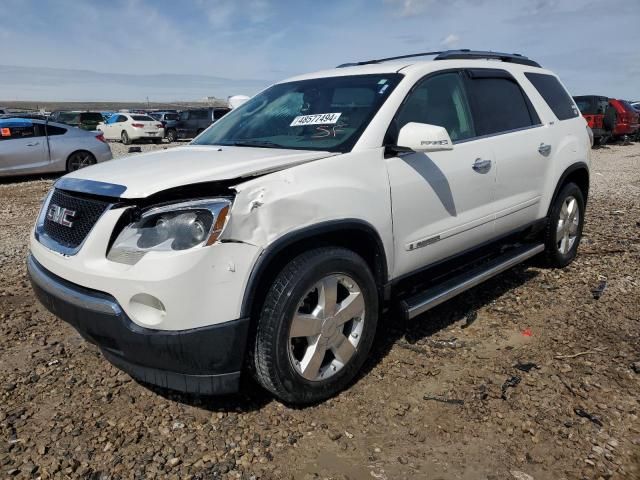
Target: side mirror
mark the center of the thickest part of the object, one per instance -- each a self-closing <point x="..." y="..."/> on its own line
<point x="422" y="137"/>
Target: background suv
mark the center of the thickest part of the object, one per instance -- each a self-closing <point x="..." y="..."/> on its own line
<point x="626" y="118"/>
<point x="83" y="120"/>
<point x="277" y="238"/>
<point x="193" y="122"/>
<point x="169" y="121"/>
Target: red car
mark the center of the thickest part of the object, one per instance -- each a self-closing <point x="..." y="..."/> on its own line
<point x="626" y="118"/>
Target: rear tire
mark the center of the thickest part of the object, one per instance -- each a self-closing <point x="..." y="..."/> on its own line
<point x="316" y="326"/>
<point x="125" y="138"/>
<point x="564" y="226"/>
<point x="78" y="160"/>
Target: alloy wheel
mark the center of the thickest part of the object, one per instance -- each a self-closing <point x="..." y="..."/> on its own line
<point x="327" y="327"/>
<point x="568" y="225"/>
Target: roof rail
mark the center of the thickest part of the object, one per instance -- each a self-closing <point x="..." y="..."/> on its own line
<point x="479" y="54"/>
<point x="455" y="54"/>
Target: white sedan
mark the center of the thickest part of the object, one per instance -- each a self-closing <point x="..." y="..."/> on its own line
<point x="130" y="127"/>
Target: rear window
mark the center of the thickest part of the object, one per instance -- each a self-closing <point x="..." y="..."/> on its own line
<point x="592" y="105"/>
<point x="219" y="113"/>
<point x="499" y="105"/>
<point x="69" y="117"/>
<point x="142" y="118"/>
<point x="91" y="117"/>
<point x="554" y="94"/>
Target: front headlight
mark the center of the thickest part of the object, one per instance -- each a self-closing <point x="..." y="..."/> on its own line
<point x="175" y="227"/>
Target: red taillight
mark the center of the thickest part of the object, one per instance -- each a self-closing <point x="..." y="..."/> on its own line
<point x="137" y="125"/>
<point x="101" y="138"/>
<point x="160" y="125"/>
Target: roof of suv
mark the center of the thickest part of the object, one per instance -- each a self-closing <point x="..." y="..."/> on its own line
<point x="460" y="58"/>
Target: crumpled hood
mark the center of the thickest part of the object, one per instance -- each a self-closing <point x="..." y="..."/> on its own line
<point x="152" y="172"/>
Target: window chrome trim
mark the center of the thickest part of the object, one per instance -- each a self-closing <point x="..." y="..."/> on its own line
<point x="489" y="135"/>
<point x="91" y="187"/>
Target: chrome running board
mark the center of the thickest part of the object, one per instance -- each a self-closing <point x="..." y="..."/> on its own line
<point x="426" y="300"/>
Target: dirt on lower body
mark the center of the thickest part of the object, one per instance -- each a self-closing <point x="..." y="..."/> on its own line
<point x="527" y="376"/>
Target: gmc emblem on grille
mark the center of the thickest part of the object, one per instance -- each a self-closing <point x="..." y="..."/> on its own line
<point x="61" y="215"/>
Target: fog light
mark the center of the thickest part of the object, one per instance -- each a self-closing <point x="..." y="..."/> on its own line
<point x="147" y="309"/>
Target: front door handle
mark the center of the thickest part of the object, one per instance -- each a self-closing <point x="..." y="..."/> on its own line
<point x="481" y="166"/>
<point x="544" y="149"/>
<point x="33" y="144"/>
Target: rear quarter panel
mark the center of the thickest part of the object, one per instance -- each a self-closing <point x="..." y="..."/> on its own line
<point x="571" y="143"/>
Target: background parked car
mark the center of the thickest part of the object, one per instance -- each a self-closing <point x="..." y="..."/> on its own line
<point x="594" y="109"/>
<point x="626" y="118"/>
<point x="130" y="127"/>
<point x="38" y="146"/>
<point x="193" y="122"/>
<point x="169" y="121"/>
<point x="83" y="120"/>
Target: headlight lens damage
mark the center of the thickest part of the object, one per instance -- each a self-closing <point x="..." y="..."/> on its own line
<point x="173" y="227"/>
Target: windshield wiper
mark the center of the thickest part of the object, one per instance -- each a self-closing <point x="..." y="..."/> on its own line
<point x="257" y="143"/>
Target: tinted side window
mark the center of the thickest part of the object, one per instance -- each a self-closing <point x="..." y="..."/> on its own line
<point x="499" y="105"/>
<point x="219" y="114"/>
<point x="13" y="133"/>
<point x="554" y="94"/>
<point x="438" y="100"/>
<point x="53" y="130"/>
<point x="198" y="115"/>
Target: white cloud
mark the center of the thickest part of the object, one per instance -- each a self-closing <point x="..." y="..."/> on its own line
<point x="411" y="8"/>
<point x="450" y="41"/>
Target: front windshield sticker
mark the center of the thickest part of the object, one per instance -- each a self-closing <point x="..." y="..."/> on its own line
<point x="317" y="119"/>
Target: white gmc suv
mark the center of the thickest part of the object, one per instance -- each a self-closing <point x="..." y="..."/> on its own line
<point x="272" y="243"/>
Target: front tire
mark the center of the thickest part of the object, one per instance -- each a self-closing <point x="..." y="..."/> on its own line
<point x="125" y="138"/>
<point x="172" y="136"/>
<point x="316" y="326"/>
<point x="564" y="226"/>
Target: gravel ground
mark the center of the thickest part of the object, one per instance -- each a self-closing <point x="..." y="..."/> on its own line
<point x="528" y="376"/>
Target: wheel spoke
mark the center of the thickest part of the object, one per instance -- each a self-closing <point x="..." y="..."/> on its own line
<point x="560" y="230"/>
<point x="564" y="212"/>
<point x="573" y="228"/>
<point x="312" y="361"/>
<point x="564" y="246"/>
<point x="343" y="349"/>
<point x="572" y="208"/>
<point x="328" y="295"/>
<point x="305" y="325"/>
<point x="350" y="307"/>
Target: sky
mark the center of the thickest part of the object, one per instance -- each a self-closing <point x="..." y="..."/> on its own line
<point x="187" y="49"/>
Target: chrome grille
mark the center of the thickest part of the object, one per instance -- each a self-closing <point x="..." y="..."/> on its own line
<point x="87" y="212"/>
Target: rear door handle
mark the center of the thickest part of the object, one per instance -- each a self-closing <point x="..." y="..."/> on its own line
<point x="544" y="149"/>
<point x="481" y="166"/>
<point x="33" y="144"/>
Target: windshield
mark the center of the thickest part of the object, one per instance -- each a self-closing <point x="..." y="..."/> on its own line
<point x="171" y="116"/>
<point x="320" y="114"/>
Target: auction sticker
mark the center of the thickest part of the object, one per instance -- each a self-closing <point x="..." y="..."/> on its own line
<point x="317" y="119"/>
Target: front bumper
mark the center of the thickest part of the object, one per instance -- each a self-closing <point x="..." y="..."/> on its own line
<point x="205" y="360"/>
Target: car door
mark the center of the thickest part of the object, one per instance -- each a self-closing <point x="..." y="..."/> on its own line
<point x="521" y="144"/>
<point x="442" y="201"/>
<point x="23" y="147"/>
